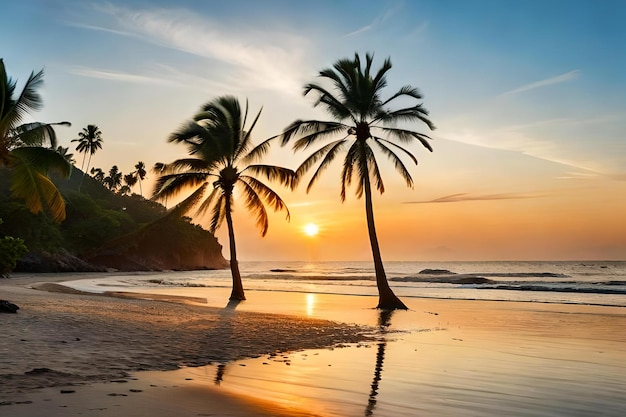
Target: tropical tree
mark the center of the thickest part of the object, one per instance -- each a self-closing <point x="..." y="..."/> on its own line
<point x="140" y="174"/>
<point x="89" y="141"/>
<point x="221" y="157"/>
<point x="98" y="174"/>
<point x="363" y="126"/>
<point x="114" y="180"/>
<point x="64" y="152"/>
<point x="22" y="150"/>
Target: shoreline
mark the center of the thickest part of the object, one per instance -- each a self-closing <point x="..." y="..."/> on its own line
<point x="266" y="355"/>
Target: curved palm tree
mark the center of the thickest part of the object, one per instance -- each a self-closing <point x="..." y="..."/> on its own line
<point x="140" y="174"/>
<point x="220" y="157"/>
<point x="363" y="124"/>
<point x="22" y="150"/>
<point x="89" y="141"/>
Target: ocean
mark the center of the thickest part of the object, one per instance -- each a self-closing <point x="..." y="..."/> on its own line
<point x="569" y="282"/>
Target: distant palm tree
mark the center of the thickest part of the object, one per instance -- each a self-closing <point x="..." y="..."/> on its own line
<point x="363" y="124"/>
<point x="22" y="150"/>
<point x="98" y="174"/>
<point x="221" y="157"/>
<point x="129" y="181"/>
<point x="140" y="174"/>
<point x="64" y="152"/>
<point x="114" y="180"/>
<point x="89" y="141"/>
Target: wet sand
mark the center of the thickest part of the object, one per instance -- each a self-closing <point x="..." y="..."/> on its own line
<point x="440" y="358"/>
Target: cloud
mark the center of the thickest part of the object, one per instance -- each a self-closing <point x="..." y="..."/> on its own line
<point x="568" y="76"/>
<point x="118" y="76"/>
<point x="460" y="197"/>
<point x="253" y="58"/>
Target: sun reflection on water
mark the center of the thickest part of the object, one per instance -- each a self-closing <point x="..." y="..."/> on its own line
<point x="310" y="304"/>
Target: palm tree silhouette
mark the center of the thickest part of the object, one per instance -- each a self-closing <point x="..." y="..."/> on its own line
<point x="221" y="156"/>
<point x="363" y="124"/>
<point x="22" y="150"/>
<point x="114" y="179"/>
<point x="89" y="141"/>
<point x="140" y="174"/>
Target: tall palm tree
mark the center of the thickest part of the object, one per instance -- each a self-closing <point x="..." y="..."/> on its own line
<point x="89" y="141"/>
<point x="22" y="150"/>
<point x="129" y="182"/>
<point x="363" y="125"/>
<point x="221" y="157"/>
<point x="140" y="174"/>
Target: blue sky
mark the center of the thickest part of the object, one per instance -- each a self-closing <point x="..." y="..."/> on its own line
<point x="529" y="99"/>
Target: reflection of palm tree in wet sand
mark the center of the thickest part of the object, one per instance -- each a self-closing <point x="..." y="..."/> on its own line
<point x="221" y="367"/>
<point x="384" y="320"/>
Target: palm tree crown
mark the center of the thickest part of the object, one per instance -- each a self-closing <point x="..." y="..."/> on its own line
<point x="221" y="157"/>
<point x="89" y="141"/>
<point x="21" y="147"/>
<point x="363" y="126"/>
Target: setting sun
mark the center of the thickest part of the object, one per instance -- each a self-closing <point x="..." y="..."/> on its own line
<point x="311" y="229"/>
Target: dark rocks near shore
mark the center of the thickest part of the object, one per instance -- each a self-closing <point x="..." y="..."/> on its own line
<point x="8" y="307"/>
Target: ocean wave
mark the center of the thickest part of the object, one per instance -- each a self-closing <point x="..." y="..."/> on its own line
<point x="542" y="288"/>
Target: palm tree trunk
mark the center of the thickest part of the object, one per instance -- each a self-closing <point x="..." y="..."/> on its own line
<point x="387" y="300"/>
<point x="237" y="292"/>
<point x="84" y="172"/>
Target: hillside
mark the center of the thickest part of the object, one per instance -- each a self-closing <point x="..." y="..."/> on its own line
<point x="105" y="231"/>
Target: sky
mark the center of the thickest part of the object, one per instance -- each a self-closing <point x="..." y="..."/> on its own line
<point x="528" y="97"/>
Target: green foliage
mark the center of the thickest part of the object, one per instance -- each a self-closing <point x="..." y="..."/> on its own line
<point x="11" y="249"/>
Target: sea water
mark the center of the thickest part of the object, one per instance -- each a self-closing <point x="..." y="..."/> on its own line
<point x="570" y="282"/>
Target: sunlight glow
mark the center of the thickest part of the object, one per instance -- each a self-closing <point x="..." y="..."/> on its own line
<point x="310" y="304"/>
<point x="311" y="229"/>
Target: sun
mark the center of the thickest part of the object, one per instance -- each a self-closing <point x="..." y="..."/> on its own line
<point x="311" y="229"/>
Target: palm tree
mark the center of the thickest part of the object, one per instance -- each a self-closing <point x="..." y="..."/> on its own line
<point x="220" y="156"/>
<point x="98" y="174"/>
<point x="89" y="141"/>
<point x="129" y="182"/>
<point x="140" y="174"/>
<point x="64" y="152"/>
<point x="363" y="124"/>
<point x="114" y="179"/>
<point x="22" y="150"/>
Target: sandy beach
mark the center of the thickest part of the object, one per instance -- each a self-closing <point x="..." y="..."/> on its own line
<point x="68" y="354"/>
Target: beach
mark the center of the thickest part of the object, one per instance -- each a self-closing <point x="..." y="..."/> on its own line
<point x="296" y="354"/>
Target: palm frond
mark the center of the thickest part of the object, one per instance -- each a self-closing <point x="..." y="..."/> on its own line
<point x="406" y="90"/>
<point x="247" y="137"/>
<point x="218" y="213"/>
<point x="397" y="163"/>
<point x="255" y="206"/>
<point x="259" y="151"/>
<point x="320" y="131"/>
<point x="188" y="203"/>
<point x="30" y="100"/>
<point x="44" y="160"/>
<point x="37" y="133"/>
<point x="208" y="202"/>
<point x="171" y="185"/>
<point x="35" y="188"/>
<point x="314" y="157"/>
<point x="328" y="154"/>
<point x="400" y="148"/>
<point x="336" y="107"/>
<point x="266" y="194"/>
<point x="284" y="176"/>
<point x="374" y="171"/>
<point x="406" y="136"/>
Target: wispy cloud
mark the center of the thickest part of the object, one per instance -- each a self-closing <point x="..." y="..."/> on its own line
<point x="460" y="197"/>
<point x="378" y="20"/>
<point x="568" y="76"/>
<point x="118" y="76"/>
<point x="263" y="59"/>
